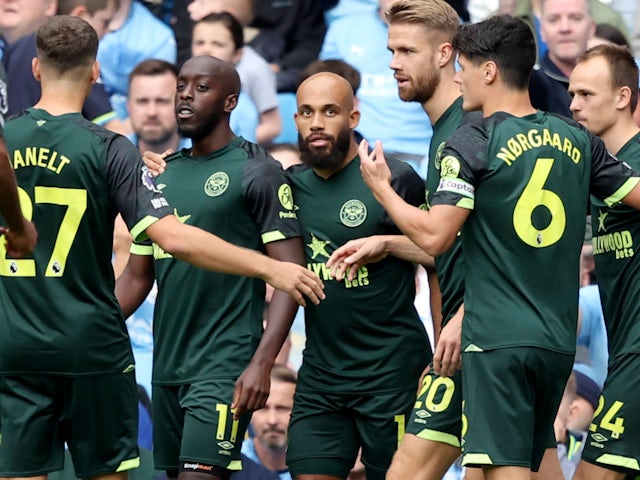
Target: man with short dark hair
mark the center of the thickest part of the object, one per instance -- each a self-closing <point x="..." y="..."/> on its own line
<point x="152" y="88"/>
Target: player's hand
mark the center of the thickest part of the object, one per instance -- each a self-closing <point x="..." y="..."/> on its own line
<point x="20" y="243"/>
<point x="252" y="389"/>
<point x="155" y="161"/>
<point x="297" y="281"/>
<point x="354" y="254"/>
<point x="373" y="167"/>
<point x="447" y="357"/>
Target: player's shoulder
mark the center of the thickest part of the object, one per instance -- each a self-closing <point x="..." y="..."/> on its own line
<point x="470" y="118"/>
<point x="404" y="177"/>
<point x="564" y="121"/>
<point x="178" y="154"/>
<point x="259" y="160"/>
<point x="72" y="124"/>
<point x="114" y="142"/>
<point x="255" y="153"/>
<point x="633" y="145"/>
<point x="399" y="169"/>
<point x="474" y="127"/>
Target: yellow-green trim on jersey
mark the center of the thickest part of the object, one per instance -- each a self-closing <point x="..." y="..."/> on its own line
<point x="59" y="311"/>
<point x="206" y="324"/>
<point x="366" y="336"/>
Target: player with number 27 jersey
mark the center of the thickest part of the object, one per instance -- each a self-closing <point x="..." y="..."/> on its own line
<point x="60" y="314"/>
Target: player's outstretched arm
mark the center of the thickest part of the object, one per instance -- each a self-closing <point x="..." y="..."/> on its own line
<point x="205" y="250"/>
<point x="361" y="251"/>
<point x="252" y="387"/>
<point x="135" y="282"/>
<point x="20" y="233"/>
<point x="434" y="231"/>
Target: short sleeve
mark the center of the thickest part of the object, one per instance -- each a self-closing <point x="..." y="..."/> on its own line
<point x="270" y="199"/>
<point x="611" y="179"/>
<point x="133" y="188"/>
<point x="462" y="164"/>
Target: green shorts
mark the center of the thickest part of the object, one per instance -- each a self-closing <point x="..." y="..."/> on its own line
<point x="326" y="431"/>
<point x="193" y="426"/>
<point x="613" y="439"/>
<point x="511" y="396"/>
<point x="437" y="412"/>
<point x="96" y="416"/>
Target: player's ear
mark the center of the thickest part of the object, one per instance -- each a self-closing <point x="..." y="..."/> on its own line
<point x="79" y="11"/>
<point x="95" y="72"/>
<point x="354" y="118"/>
<point x="623" y="98"/>
<point x="35" y="68"/>
<point x="489" y="71"/>
<point x="445" y="52"/>
<point x="230" y="102"/>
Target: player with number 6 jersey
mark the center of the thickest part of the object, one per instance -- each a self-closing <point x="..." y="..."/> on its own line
<point x="539" y="213"/>
<point x="517" y="182"/>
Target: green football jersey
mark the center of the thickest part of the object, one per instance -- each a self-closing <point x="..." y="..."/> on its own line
<point x="365" y="336"/>
<point x="527" y="181"/>
<point x="616" y="244"/>
<point x="449" y="265"/>
<point x="207" y="324"/>
<point x="60" y="311"/>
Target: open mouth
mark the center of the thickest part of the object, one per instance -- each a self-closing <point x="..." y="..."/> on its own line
<point x="184" y="111"/>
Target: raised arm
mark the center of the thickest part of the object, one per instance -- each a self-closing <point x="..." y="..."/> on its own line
<point x="434" y="230"/>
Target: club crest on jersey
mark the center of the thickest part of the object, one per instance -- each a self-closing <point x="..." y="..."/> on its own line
<point x="148" y="181"/>
<point x="353" y="213"/>
<point x="438" y="157"/>
<point x="216" y="184"/>
<point x="285" y="196"/>
<point x="449" y="167"/>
